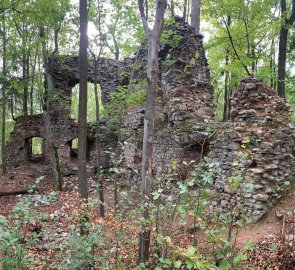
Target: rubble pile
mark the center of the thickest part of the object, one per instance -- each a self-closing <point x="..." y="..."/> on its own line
<point x="257" y="148"/>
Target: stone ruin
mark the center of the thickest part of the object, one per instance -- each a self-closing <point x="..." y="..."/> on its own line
<point x="186" y="104"/>
<point x="65" y="75"/>
<point x="256" y="145"/>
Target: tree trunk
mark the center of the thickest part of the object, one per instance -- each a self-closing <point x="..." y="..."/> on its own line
<point x="56" y="33"/>
<point x="32" y="85"/>
<point x="14" y="192"/>
<point x="226" y="113"/>
<point x="49" y="89"/>
<point x="25" y="83"/>
<point x="11" y="108"/>
<point x="226" y="92"/>
<point x="285" y="25"/>
<point x="196" y="15"/>
<point x="3" y="98"/>
<point x="143" y="17"/>
<point x="230" y="92"/>
<point x="116" y="45"/>
<point x="184" y="10"/>
<point x="188" y="11"/>
<point x="148" y="137"/>
<point x="99" y="178"/>
<point x="272" y="64"/>
<point x="254" y="62"/>
<point x="172" y="7"/>
<point x="82" y="118"/>
<point x="227" y="23"/>
<point x="282" y="61"/>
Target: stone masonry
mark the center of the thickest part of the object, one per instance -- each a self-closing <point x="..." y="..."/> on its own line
<point x="185" y="103"/>
<point x="256" y="146"/>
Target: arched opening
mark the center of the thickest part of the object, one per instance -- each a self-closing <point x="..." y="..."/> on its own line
<point x="74" y="148"/>
<point x="35" y="149"/>
<point x="91" y="103"/>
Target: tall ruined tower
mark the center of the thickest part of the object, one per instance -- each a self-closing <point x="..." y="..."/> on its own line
<point x="185" y="102"/>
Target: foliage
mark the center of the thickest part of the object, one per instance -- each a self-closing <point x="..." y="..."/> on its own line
<point x="29" y="228"/>
<point x="18" y="234"/>
<point x="241" y="35"/>
<point x="90" y="105"/>
<point x="247" y="33"/>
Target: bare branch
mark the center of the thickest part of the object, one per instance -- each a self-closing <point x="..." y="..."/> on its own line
<point x="143" y="17"/>
<point x="234" y="48"/>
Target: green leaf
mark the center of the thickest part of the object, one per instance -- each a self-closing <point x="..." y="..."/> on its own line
<point x="249" y="245"/>
<point x="181" y="211"/>
<point x="177" y="264"/>
<point x="189" y="264"/>
<point x="191" y="251"/>
<point x="273" y="247"/>
<point x="191" y="183"/>
<point x="249" y="186"/>
<point x="174" y="164"/>
<point x="155" y="195"/>
<point x="225" y="265"/>
<point x="168" y="261"/>
<point x="54" y="193"/>
<point x="239" y="258"/>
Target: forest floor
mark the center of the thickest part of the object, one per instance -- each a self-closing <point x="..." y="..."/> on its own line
<point x="264" y="231"/>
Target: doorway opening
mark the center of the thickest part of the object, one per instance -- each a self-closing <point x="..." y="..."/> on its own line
<point x="35" y="149"/>
<point x="74" y="148"/>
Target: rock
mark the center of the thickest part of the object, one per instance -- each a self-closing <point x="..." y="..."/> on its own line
<point x="250" y="86"/>
<point x="193" y="228"/>
<point x="289" y="237"/>
<point x="261" y="197"/>
<point x="257" y="215"/>
<point x="234" y="146"/>
<point x="280" y="213"/>
<point x="262" y="153"/>
<point x="224" y="203"/>
<point x="233" y="135"/>
<point x="256" y="170"/>
<point x="259" y="207"/>
<point x="271" y="167"/>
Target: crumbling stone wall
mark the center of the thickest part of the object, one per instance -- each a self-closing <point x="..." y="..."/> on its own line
<point x="64" y="72"/>
<point x="26" y="127"/>
<point x="257" y="147"/>
<point x="185" y="102"/>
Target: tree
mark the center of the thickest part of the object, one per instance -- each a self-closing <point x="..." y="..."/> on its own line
<point x="196" y="15"/>
<point x="4" y="84"/>
<point x="99" y="177"/>
<point x="49" y="92"/>
<point x="82" y="118"/>
<point x="286" y="24"/>
<point x="239" y="46"/>
<point x="148" y="137"/>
